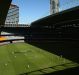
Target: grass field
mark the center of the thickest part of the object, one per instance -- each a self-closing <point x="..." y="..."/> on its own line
<point x="20" y="58"/>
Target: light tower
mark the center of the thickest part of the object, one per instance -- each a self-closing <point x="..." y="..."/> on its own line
<point x="54" y="6"/>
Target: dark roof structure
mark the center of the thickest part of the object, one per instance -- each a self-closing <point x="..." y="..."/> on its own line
<point x="4" y="6"/>
<point x="61" y="17"/>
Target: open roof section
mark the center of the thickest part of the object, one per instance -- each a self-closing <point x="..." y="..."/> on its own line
<point x="4" y="6"/>
<point x="61" y="17"/>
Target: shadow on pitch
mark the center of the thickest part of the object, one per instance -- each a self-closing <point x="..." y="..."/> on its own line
<point x="68" y="49"/>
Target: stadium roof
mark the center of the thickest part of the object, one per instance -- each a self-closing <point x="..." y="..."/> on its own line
<point x="4" y="6"/>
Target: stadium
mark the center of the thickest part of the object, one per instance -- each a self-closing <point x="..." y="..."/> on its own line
<point x="48" y="46"/>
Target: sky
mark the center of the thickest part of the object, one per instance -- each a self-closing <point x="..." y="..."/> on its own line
<point x="31" y="10"/>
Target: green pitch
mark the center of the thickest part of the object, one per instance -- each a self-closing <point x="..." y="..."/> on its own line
<point x="20" y="58"/>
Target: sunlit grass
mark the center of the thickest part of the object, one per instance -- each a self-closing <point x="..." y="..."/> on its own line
<point x="22" y="58"/>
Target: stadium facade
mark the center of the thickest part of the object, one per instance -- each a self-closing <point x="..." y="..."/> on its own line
<point x="13" y="15"/>
<point x="54" y="6"/>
